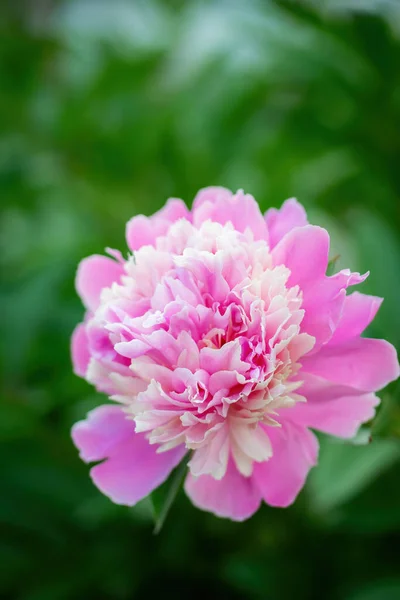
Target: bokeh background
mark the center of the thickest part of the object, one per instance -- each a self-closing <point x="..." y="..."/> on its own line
<point x="106" y="110"/>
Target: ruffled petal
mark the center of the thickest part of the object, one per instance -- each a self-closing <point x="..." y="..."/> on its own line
<point x="132" y="468"/>
<point x="221" y="206"/>
<point x="295" y="452"/>
<point x="143" y="231"/>
<point x="234" y="496"/>
<point x="211" y="195"/>
<point x="281" y="221"/>
<point x="95" y="273"/>
<point x="80" y="351"/>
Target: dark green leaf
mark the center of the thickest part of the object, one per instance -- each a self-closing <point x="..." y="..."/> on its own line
<point x="163" y="498"/>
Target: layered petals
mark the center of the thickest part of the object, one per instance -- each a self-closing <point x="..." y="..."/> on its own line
<point x="220" y="205"/>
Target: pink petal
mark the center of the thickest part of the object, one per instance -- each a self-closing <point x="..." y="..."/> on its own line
<point x="226" y="358"/>
<point x="103" y="428"/>
<point x="295" y="451"/>
<point x="305" y="251"/>
<point x="323" y="303"/>
<point x="95" y="273"/>
<point x="140" y="232"/>
<point x="132" y="468"/>
<point x="219" y="205"/>
<point x="233" y="496"/>
<point x="280" y="222"/>
<point x="317" y="389"/>
<point x="79" y="350"/>
<point x="341" y="417"/>
<point x="174" y="209"/>
<point x="363" y="363"/>
<point x="358" y="312"/>
<point x="143" y="231"/>
<point x="212" y="194"/>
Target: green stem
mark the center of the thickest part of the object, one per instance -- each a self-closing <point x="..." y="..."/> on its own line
<point x="175" y="486"/>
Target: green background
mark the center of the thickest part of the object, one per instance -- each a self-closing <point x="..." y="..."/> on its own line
<point x="106" y="110"/>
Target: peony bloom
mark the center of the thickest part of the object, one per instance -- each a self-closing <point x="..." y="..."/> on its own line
<point x="222" y="339"/>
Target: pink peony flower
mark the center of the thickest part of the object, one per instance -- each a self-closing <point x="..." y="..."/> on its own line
<point x="222" y="336"/>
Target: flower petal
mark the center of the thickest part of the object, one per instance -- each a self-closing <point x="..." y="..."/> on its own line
<point x="95" y="273"/>
<point x="79" y="350"/>
<point x="221" y="206"/>
<point x="233" y="496"/>
<point x="341" y="417"/>
<point x="305" y="252"/>
<point x="143" y="231"/>
<point x="317" y="389"/>
<point x="132" y="468"/>
<point x="103" y="428"/>
<point x="281" y="221"/>
<point x="363" y="363"/>
<point x="212" y="195"/>
<point x="358" y="312"/>
<point x="323" y="303"/>
<point x="295" y="451"/>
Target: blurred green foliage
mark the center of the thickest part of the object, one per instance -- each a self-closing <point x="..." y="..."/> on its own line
<point x="107" y="109"/>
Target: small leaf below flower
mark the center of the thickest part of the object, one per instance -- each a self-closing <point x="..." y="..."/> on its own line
<point x="163" y="498"/>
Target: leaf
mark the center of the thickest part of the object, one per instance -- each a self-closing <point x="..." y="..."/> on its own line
<point x="381" y="590"/>
<point x="345" y="470"/>
<point x="331" y="265"/>
<point x="163" y="498"/>
<point x="374" y="511"/>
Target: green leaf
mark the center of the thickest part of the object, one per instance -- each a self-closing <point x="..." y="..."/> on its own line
<point x="163" y="498"/>
<point x="372" y="511"/>
<point x="382" y="590"/>
<point x="345" y="470"/>
<point x="331" y="265"/>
